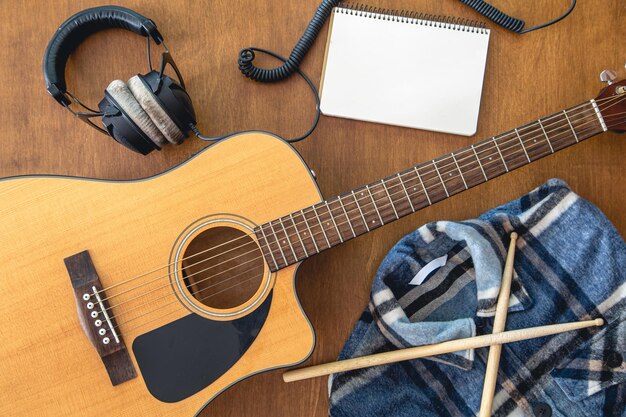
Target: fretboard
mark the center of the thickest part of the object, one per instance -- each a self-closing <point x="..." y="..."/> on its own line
<point x="301" y="234"/>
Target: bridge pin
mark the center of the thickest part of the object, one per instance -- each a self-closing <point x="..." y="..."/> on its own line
<point x="102" y="332"/>
<point x="90" y="305"/>
<point x="98" y="323"/>
<point x="106" y="340"/>
<point x="94" y="314"/>
<point x="85" y="297"/>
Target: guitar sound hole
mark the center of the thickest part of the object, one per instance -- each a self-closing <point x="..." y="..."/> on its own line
<point x="223" y="267"/>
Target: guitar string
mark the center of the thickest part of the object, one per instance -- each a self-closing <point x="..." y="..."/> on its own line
<point x="462" y="150"/>
<point x="194" y="274"/>
<point x="220" y="282"/>
<point x="331" y="210"/>
<point x="502" y="149"/>
<point x="193" y="293"/>
<point x="175" y="311"/>
<point x="253" y="250"/>
<point x="240" y="256"/>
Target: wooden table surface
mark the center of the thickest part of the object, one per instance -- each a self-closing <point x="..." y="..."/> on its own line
<point x="527" y="77"/>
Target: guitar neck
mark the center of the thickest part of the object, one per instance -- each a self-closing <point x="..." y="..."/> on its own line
<point x="301" y="234"/>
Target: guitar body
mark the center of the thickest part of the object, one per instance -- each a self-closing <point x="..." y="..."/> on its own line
<point x="48" y="364"/>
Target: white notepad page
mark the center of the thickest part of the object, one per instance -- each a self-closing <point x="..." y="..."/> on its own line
<point x="404" y="72"/>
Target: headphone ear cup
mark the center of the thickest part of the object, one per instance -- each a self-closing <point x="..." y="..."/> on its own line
<point x="173" y="98"/>
<point x="127" y="103"/>
<point x="155" y="110"/>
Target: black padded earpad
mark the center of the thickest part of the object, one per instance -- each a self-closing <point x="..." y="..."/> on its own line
<point x="154" y="109"/>
<point x="78" y="27"/>
<point x="172" y="97"/>
<point x="127" y="102"/>
<point x="122" y="128"/>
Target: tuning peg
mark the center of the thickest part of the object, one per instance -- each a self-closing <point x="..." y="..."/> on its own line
<point x="607" y="76"/>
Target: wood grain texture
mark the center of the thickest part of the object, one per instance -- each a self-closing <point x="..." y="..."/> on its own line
<point x="45" y="354"/>
<point x="456" y="345"/>
<point x="527" y="76"/>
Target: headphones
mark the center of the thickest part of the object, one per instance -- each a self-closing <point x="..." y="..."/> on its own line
<point x="144" y="114"/>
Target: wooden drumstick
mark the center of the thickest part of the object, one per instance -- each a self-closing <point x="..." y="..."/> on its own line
<point x="436" y="349"/>
<point x="499" y="323"/>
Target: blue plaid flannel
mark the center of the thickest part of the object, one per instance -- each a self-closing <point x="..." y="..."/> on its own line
<point x="570" y="265"/>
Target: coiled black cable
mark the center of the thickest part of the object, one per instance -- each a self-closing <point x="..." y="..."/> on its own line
<point x="291" y="65"/>
<point x="293" y="140"/>
<point x="246" y="56"/>
<point x="508" y="22"/>
<point x="495" y="15"/>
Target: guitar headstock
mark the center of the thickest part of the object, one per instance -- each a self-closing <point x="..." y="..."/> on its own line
<point x="612" y="102"/>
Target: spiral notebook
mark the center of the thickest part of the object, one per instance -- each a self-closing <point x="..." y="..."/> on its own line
<point x="404" y="68"/>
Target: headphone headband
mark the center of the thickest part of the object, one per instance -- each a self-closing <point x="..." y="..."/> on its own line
<point x="80" y="26"/>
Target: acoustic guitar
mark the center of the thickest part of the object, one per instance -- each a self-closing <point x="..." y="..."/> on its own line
<point x="150" y="297"/>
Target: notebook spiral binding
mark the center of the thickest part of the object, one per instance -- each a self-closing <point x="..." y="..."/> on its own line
<point x="413" y="17"/>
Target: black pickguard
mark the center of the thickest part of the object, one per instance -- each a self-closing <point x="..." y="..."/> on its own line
<point x="185" y="356"/>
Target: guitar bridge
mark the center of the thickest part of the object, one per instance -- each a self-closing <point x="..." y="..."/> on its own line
<point x="98" y="325"/>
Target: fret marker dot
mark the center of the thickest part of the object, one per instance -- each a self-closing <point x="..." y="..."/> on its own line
<point x="373" y="221"/>
<point x="327" y="223"/>
<point x="414" y="188"/>
<point x="535" y="140"/>
<point x="284" y="242"/>
<point x="450" y="174"/>
<point x="490" y="158"/>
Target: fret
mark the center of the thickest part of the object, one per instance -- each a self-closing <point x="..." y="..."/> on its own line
<point x="433" y="184"/>
<point x="293" y="252"/>
<point x="406" y="192"/>
<point x="545" y="134"/>
<point x="375" y="206"/>
<point x="321" y="226"/>
<point x="413" y="185"/>
<point x="570" y="125"/>
<point x="269" y="246"/>
<point x="306" y="221"/>
<point x="459" y="169"/>
<point x="441" y="179"/>
<point x="345" y="212"/>
<point x="356" y="201"/>
<point x="450" y="174"/>
<point x="536" y="146"/>
<point x="357" y="221"/>
<point x="279" y="244"/>
<point x="599" y="115"/>
<point x="419" y="177"/>
<point x="401" y="201"/>
<point x="340" y="218"/>
<point x="303" y="230"/>
<point x="395" y="212"/>
<point x="265" y="248"/>
<point x="471" y="169"/>
<point x="332" y="219"/>
<point x="492" y="163"/>
<point x="479" y="163"/>
<point x="522" y="144"/>
<point x="306" y="253"/>
<point x="500" y="153"/>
